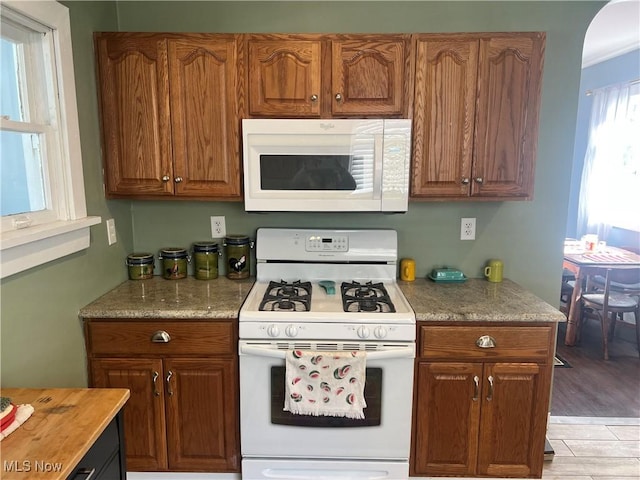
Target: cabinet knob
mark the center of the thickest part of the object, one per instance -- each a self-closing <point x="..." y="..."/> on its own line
<point x="338" y="97"/>
<point x="479" y="179"/>
<point x="464" y="181"/>
<point x="160" y="337"/>
<point x="178" y="179"/>
<point x="486" y="341"/>
<point x="314" y="98"/>
<point x="165" y="178"/>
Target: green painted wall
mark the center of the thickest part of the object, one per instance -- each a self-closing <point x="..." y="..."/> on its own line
<point x="41" y="337"/>
<point x="42" y="342"/>
<point x="528" y="236"/>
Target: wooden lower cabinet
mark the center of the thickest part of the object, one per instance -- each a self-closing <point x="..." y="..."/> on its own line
<point x="485" y="412"/>
<point x="182" y="414"/>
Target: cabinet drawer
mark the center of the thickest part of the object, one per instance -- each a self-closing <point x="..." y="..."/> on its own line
<point x="184" y="338"/>
<point x="511" y="343"/>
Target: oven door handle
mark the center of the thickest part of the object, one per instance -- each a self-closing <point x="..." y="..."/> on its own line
<point x="399" y="352"/>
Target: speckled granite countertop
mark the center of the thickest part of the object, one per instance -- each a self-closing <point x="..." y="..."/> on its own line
<point x="477" y="300"/>
<point x="474" y="300"/>
<point x="186" y="298"/>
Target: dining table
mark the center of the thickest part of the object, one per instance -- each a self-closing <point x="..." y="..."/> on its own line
<point x="583" y="263"/>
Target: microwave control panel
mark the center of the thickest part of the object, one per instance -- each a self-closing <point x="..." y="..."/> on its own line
<point x="323" y="243"/>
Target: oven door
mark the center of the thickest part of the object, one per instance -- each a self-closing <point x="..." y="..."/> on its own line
<point x="267" y="431"/>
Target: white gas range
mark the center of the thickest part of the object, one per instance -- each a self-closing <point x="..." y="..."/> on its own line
<point x="326" y="291"/>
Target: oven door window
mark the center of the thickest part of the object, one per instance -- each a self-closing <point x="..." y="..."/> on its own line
<point x="372" y="412"/>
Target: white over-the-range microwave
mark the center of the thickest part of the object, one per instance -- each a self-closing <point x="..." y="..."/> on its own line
<point x="330" y="165"/>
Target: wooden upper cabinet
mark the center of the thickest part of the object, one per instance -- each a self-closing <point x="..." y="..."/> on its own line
<point x="170" y="116"/>
<point x="369" y="75"/>
<point x="323" y="76"/>
<point x="476" y="108"/>
<point x="444" y="111"/>
<point x="284" y="77"/>
<point x="204" y="118"/>
<point x="509" y="82"/>
<point x="136" y="127"/>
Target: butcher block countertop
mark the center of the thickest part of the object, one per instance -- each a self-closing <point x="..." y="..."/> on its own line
<point x="64" y="425"/>
<point x="477" y="300"/>
<point x="158" y="297"/>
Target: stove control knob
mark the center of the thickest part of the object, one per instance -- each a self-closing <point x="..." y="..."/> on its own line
<point x="380" y="332"/>
<point x="363" y="332"/>
<point x="273" y="330"/>
<point x="291" y="331"/>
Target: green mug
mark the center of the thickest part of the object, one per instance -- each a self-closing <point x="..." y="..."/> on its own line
<point x="493" y="270"/>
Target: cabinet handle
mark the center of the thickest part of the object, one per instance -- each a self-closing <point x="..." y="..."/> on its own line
<point x="178" y="179"/>
<point x="160" y="337"/>
<point x="479" y="179"/>
<point x="314" y="98"/>
<point x="169" y="375"/>
<point x="464" y="181"/>
<point x="486" y="341"/>
<point x="165" y="178"/>
<point x="338" y="97"/>
<point x="476" y="388"/>
<point x="85" y="471"/>
<point x="490" y="396"/>
<point x="155" y="385"/>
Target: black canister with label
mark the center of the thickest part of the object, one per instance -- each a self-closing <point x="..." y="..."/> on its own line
<point x="205" y="259"/>
<point x="174" y="263"/>
<point x="237" y="248"/>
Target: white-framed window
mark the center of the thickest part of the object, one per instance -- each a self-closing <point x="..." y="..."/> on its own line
<point x="42" y="200"/>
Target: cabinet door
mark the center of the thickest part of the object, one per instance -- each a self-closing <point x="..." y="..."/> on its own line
<point x="134" y="101"/>
<point x="202" y="414"/>
<point x="444" y="109"/>
<point x="447" y="415"/>
<point x="368" y="76"/>
<point x="515" y="401"/>
<point x="509" y="80"/>
<point x="144" y="427"/>
<point x="284" y="77"/>
<point x="204" y="115"/>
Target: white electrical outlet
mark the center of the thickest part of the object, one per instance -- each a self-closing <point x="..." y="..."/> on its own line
<point x="111" y="231"/>
<point x="218" y="227"/>
<point x="468" y="229"/>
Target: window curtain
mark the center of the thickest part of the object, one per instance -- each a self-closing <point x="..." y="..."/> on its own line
<point x="610" y="180"/>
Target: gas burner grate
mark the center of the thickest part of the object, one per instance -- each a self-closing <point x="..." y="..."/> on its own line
<point x="287" y="297"/>
<point x="366" y="297"/>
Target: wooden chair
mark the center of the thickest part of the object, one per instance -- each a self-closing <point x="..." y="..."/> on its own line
<point x="610" y="303"/>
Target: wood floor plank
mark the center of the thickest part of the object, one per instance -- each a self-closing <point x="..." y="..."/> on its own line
<point x="594" y="387"/>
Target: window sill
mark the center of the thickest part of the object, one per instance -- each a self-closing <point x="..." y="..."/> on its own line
<point x="33" y="246"/>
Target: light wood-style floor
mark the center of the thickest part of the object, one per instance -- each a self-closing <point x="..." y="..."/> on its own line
<point x="593" y="448"/>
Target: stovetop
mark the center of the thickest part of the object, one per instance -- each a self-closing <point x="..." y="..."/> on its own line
<point x="325" y="307"/>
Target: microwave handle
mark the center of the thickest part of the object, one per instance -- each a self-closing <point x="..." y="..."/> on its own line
<point x="400" y="352"/>
<point x="378" y="154"/>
